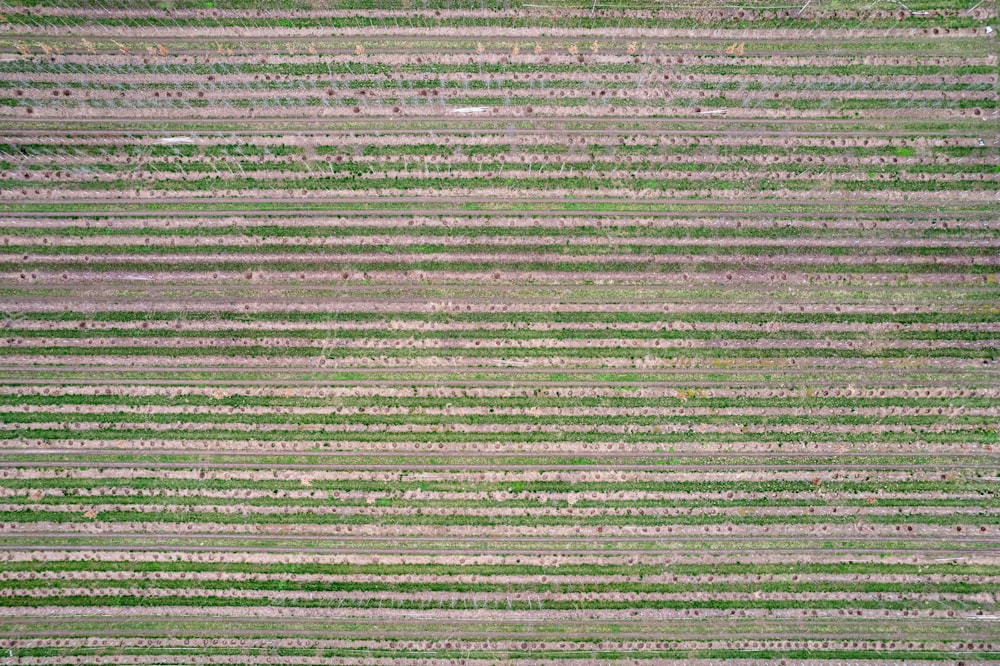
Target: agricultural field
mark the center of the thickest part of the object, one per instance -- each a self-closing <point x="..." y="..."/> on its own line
<point x="488" y="332"/>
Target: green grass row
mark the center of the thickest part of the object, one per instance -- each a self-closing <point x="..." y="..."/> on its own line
<point x="482" y="227"/>
<point x="497" y="604"/>
<point x="705" y="146"/>
<point x="983" y="268"/>
<point x="319" y="439"/>
<point x="361" y="461"/>
<point x="361" y="81"/>
<point x="156" y="6"/>
<point x="637" y="570"/>
<point x="542" y="399"/>
<point x="456" y="653"/>
<point x="257" y="351"/>
<point x="442" y="180"/>
<point x="105" y="587"/>
<point x="384" y="104"/>
<point x="402" y="483"/>
<point x="753" y="374"/>
<point x="530" y="501"/>
<point x="970" y="210"/>
<point x="220" y="168"/>
<point x="913" y="517"/>
<point x="331" y="336"/>
<point x="378" y="420"/>
<point x="825" y="317"/>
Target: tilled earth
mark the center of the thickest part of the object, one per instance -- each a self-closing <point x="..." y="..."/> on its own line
<point x="441" y="333"/>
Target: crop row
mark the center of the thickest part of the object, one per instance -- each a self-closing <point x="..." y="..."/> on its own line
<point x="426" y="332"/>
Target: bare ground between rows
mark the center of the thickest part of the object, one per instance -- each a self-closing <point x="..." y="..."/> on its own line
<point x="466" y="50"/>
<point x="666" y="577"/>
<point x="841" y="628"/>
<point x="442" y="306"/>
<point x="266" y="45"/>
<point x="411" y="466"/>
<point x="338" y="257"/>
<point x="921" y="545"/>
<point x="231" y="243"/>
<point x="837" y="204"/>
<point x="476" y="616"/>
<point x="506" y="360"/>
<point x="496" y="534"/>
<point x="418" y="212"/>
<point x="397" y="539"/>
<point x="774" y="281"/>
<point x="785" y="374"/>
<point x="717" y="25"/>
<point x="491" y="449"/>
<point x="841" y="221"/>
<point x="253" y="552"/>
<point x="844" y="629"/>
<point x="591" y="453"/>
<point x="482" y="196"/>
<point x="789" y="381"/>
<point x="852" y="391"/>
<point x="716" y="127"/>
<point x="278" y="381"/>
<point x="458" y="344"/>
<point x="107" y="289"/>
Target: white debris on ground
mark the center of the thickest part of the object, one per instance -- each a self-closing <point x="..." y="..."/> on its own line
<point x="176" y="139"/>
<point x="470" y="109"/>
